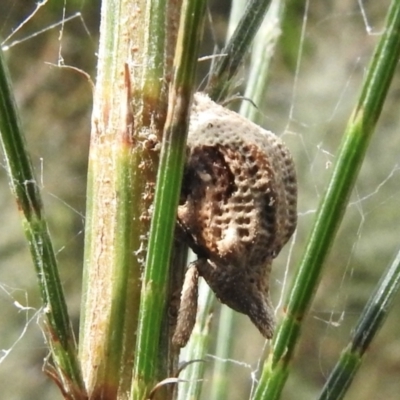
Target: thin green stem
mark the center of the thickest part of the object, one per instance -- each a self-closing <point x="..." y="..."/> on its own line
<point x="155" y="282"/>
<point x="223" y="350"/>
<point x="25" y="189"/>
<point x="226" y="66"/>
<point x="330" y="213"/>
<point x="261" y="56"/>
<point x="197" y="347"/>
<point x="368" y="326"/>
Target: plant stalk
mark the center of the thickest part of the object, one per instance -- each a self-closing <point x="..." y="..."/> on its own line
<point x="173" y="151"/>
<point x="351" y="154"/>
<point x="137" y="41"/>
<point x="25" y="188"/>
<point x="368" y="326"/>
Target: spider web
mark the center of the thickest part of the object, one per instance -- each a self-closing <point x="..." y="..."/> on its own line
<point x="314" y="81"/>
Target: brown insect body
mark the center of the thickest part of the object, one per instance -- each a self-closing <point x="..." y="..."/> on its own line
<point x="238" y="206"/>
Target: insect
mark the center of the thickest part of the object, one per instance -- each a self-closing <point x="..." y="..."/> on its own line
<point x="238" y="209"/>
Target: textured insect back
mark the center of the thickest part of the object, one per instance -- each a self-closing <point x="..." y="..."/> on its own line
<point x="238" y="207"/>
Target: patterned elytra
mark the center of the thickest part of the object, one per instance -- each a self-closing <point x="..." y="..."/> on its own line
<point x="238" y="209"/>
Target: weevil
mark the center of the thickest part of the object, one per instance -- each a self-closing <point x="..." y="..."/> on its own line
<point x="238" y="209"/>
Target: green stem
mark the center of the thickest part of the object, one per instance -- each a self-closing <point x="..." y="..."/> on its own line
<point x="155" y="282"/>
<point x="197" y="348"/>
<point x="330" y="213"/>
<point x="368" y="326"/>
<point x="261" y="56"/>
<point x="226" y="66"/>
<point x="25" y="189"/>
<point x="137" y="38"/>
<point x="223" y="349"/>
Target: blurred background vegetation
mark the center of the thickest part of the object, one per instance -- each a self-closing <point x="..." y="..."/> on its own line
<point x="314" y="80"/>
